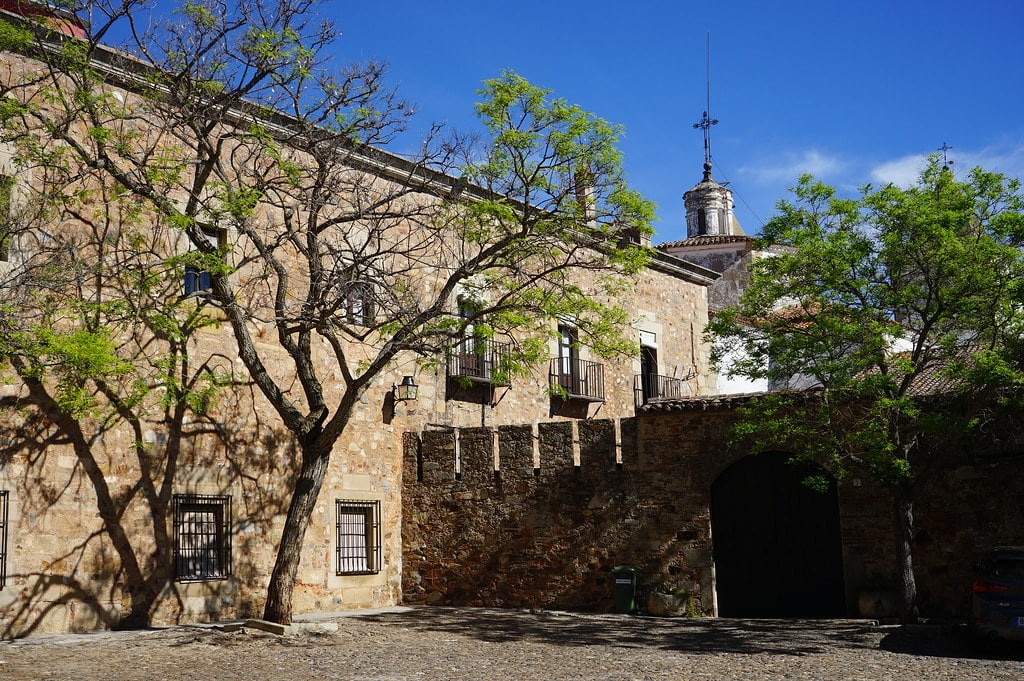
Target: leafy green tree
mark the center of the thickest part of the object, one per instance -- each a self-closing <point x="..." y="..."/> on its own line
<point x="341" y="261"/>
<point x="878" y="313"/>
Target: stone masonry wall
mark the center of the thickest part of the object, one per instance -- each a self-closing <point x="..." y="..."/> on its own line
<point x="64" y="573"/>
<point x="91" y="527"/>
<point x="545" y="527"/>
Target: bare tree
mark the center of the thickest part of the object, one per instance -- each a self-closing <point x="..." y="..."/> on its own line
<point x="224" y="125"/>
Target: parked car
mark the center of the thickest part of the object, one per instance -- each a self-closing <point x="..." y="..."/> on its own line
<point x="997" y="595"/>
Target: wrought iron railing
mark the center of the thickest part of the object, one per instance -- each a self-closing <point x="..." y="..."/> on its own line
<point x="478" y="360"/>
<point x="648" y="387"/>
<point x="578" y="378"/>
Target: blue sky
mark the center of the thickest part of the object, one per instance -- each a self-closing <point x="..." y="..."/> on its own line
<point x="853" y="92"/>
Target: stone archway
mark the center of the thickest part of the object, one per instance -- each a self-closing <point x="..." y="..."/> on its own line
<point x="777" y="544"/>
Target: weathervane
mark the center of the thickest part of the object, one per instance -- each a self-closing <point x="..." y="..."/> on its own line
<point x="946" y="163"/>
<point x="706" y="120"/>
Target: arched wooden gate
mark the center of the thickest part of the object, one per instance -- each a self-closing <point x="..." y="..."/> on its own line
<point x="777" y="543"/>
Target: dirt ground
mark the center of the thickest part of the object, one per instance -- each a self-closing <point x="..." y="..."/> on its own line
<point x="402" y="644"/>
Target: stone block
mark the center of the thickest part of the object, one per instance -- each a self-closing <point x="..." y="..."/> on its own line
<point x="264" y="625"/>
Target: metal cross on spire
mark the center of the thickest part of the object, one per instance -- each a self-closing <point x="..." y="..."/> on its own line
<point x="706" y="120"/>
<point x="705" y="124"/>
<point x="946" y="163"/>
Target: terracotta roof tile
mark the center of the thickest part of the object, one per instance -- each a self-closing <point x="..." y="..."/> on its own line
<point x="706" y="241"/>
<point x="705" y="403"/>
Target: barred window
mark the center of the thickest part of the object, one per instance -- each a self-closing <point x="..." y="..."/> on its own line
<point x="358" y="537"/>
<point x="202" y="537"/>
<point x="3" y="537"/>
<point x="359" y="303"/>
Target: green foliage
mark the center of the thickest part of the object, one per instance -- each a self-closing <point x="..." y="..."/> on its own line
<point x="557" y="157"/>
<point x="279" y="51"/>
<point x="876" y="302"/>
<point x="559" y="212"/>
<point x="14" y="38"/>
<point x="200" y="14"/>
<point x="556" y="238"/>
<point x="75" y="359"/>
<point x="234" y="203"/>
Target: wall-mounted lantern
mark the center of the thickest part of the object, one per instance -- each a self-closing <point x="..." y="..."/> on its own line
<point x="406" y="390"/>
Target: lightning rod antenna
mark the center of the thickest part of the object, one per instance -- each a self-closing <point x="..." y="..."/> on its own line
<point x="706" y="121"/>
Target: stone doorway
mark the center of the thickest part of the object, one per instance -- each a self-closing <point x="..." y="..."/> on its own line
<point x="777" y="544"/>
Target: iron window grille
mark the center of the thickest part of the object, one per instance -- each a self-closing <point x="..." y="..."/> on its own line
<point x="358" y="537"/>
<point x="359" y="304"/>
<point x="3" y="538"/>
<point x="202" y="537"/>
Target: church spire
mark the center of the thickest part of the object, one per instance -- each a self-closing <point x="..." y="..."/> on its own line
<point x="709" y="207"/>
<point x="706" y="120"/>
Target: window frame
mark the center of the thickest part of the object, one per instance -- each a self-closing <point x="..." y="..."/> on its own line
<point x="568" y="357"/>
<point x="357" y="543"/>
<point x="359" y="303"/>
<point x="7" y="184"/>
<point x="469" y="349"/>
<point x="568" y="348"/>
<point x="648" y="371"/>
<point x="199" y="282"/>
<point x="207" y="547"/>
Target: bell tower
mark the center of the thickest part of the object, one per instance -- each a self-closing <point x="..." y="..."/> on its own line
<point x="709" y="204"/>
<point x="709" y="209"/>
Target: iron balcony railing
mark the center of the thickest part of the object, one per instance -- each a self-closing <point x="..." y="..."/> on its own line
<point x="579" y="378"/>
<point x="648" y="387"/>
<point x="480" y="361"/>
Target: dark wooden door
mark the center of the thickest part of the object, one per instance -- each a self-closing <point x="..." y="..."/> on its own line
<point x="648" y="371"/>
<point x="777" y="544"/>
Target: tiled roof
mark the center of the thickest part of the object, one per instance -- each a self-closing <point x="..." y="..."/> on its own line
<point x="929" y="383"/>
<point x="705" y="403"/>
<point x="706" y="241"/>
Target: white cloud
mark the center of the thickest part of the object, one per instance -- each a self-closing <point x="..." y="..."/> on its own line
<point x="901" y="172"/>
<point x="1003" y="157"/>
<point x="790" y="166"/>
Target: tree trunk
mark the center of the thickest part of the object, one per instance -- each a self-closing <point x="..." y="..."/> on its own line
<point x="903" y="515"/>
<point x="282" y="580"/>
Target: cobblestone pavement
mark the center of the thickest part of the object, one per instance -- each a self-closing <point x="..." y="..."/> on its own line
<point x="405" y="644"/>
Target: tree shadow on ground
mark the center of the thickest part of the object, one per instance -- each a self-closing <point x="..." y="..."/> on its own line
<point x="696" y="636"/>
<point x="948" y="641"/>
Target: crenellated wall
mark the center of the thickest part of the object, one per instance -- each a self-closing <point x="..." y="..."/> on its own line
<point x="538" y="515"/>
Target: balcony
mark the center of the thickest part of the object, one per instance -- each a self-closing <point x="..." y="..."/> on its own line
<point x="650" y="387"/>
<point x="579" y="378"/>
<point x="479" y="361"/>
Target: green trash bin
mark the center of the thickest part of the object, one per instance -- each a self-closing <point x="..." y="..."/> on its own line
<point x="625" y="579"/>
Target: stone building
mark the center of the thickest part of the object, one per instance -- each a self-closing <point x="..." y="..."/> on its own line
<point x="483" y="489"/>
<point x="541" y="516"/>
<point x="172" y="511"/>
